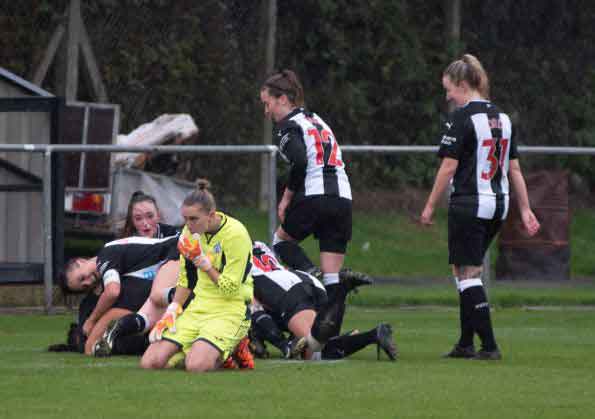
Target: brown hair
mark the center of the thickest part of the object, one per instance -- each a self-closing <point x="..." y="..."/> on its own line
<point x="201" y="196"/>
<point x="62" y="277"/>
<point x="285" y="82"/>
<point x="469" y="69"/>
<point x="138" y="196"/>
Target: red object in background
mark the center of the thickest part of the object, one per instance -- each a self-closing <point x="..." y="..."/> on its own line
<point x="87" y="202"/>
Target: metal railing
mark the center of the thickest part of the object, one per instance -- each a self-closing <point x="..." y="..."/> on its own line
<point x="272" y="151"/>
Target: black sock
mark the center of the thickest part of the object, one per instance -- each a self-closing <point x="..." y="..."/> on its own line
<point x="465" y="314"/>
<point x="330" y="317"/>
<point x="480" y="316"/>
<point x="345" y="345"/>
<point x="131" y="324"/>
<point x="131" y="345"/>
<point x="266" y="328"/>
<point x="293" y="256"/>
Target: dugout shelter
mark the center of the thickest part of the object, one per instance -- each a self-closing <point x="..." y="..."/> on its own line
<point x="28" y="115"/>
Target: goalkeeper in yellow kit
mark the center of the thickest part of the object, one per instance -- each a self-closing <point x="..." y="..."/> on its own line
<point x="215" y="262"/>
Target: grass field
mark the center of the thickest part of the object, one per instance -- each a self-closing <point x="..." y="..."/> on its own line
<point x="547" y="372"/>
<point x="441" y="292"/>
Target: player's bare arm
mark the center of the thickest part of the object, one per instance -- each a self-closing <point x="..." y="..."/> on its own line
<point x="447" y="169"/>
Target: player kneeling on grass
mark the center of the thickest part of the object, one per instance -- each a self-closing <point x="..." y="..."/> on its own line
<point x="215" y="262"/>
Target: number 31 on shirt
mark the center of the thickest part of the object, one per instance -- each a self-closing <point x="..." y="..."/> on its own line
<point x="492" y="159"/>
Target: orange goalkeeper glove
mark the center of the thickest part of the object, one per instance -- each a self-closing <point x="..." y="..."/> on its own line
<point x="189" y="246"/>
<point x="167" y="321"/>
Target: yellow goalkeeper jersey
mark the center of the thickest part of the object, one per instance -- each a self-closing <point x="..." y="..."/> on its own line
<point x="230" y="252"/>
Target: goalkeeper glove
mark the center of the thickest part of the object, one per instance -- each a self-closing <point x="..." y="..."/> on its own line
<point x="189" y="246"/>
<point x="167" y="321"/>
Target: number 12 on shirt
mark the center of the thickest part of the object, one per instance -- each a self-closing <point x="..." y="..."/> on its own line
<point x="323" y="139"/>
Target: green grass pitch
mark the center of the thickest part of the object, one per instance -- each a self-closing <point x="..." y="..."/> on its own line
<point x="548" y="371"/>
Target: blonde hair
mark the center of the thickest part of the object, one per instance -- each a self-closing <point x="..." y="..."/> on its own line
<point x="201" y="196"/>
<point x="469" y="69"/>
<point x="285" y="82"/>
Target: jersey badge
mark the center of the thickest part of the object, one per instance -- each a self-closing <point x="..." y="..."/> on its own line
<point x="217" y="248"/>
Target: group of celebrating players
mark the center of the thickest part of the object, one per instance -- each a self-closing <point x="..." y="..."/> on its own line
<point x="209" y="297"/>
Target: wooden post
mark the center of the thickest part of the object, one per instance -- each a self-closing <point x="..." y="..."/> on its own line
<point x="49" y="55"/>
<point x="65" y="45"/>
<point x="72" y="50"/>
<point x="92" y="68"/>
<point x="453" y="23"/>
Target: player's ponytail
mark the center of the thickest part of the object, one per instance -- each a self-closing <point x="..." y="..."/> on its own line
<point x="469" y="69"/>
<point x="285" y="82"/>
<point x="201" y="196"/>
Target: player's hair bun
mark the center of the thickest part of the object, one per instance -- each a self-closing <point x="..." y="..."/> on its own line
<point x="203" y="185"/>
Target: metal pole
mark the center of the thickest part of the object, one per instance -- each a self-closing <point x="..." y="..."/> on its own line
<point x="47" y="227"/>
<point x="272" y="193"/>
<point x="83" y="161"/>
<point x="269" y="63"/>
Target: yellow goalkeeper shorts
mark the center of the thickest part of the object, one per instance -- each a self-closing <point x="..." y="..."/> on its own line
<point x="222" y="330"/>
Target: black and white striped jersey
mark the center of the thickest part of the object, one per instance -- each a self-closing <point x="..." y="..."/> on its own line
<point x="309" y="145"/>
<point x="481" y="138"/>
<point x="166" y="230"/>
<point x="138" y="257"/>
<point x="272" y="281"/>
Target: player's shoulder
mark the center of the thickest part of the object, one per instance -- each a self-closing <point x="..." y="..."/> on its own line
<point x="476" y="107"/>
<point x="285" y="130"/>
<point x="233" y="228"/>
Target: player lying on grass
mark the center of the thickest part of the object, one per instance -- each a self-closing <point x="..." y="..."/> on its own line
<point x="152" y="260"/>
<point x="296" y="302"/>
<point x="133" y="294"/>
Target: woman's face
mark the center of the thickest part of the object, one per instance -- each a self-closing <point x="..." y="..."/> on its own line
<point x="82" y="276"/>
<point x="275" y="108"/>
<point x="197" y="218"/>
<point x="458" y="94"/>
<point x="145" y="217"/>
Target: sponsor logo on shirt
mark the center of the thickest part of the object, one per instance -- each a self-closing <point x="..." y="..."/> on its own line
<point x="446" y="140"/>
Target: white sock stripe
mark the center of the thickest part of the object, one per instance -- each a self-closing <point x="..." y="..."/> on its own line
<point x="276" y="239"/>
<point x="329" y="279"/>
<point x="456" y="279"/>
<point x="468" y="283"/>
